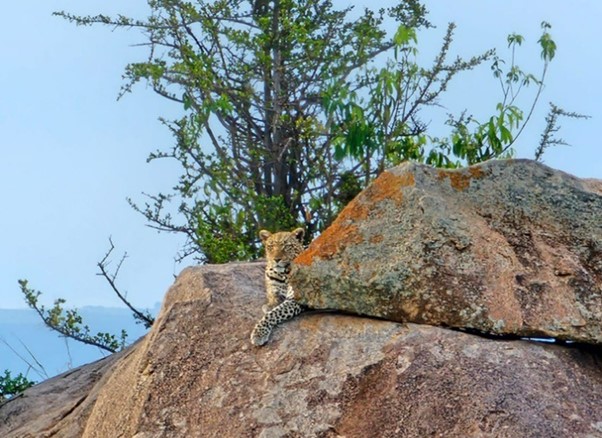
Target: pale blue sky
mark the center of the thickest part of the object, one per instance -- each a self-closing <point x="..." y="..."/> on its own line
<point x="71" y="153"/>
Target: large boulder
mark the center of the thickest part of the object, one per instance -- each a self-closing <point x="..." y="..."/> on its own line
<point x="507" y="247"/>
<point x="326" y="375"/>
<point x="60" y="406"/>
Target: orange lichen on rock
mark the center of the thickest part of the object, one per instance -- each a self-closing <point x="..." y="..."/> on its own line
<point x="332" y="240"/>
<point x="355" y="210"/>
<point x="343" y="232"/>
<point x="460" y="180"/>
<point x="388" y="186"/>
<point x="377" y="238"/>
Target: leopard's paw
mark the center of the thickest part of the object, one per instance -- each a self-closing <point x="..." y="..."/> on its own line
<point x="260" y="336"/>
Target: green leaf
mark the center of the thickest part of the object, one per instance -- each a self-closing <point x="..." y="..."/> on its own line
<point x="515" y="39"/>
<point x="10" y="386"/>
<point x="404" y="35"/>
<point x="505" y="134"/>
<point x="548" y="46"/>
<point x="187" y="101"/>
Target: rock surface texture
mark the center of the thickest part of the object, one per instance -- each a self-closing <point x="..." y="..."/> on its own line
<point x="325" y="375"/>
<point x="508" y="247"/>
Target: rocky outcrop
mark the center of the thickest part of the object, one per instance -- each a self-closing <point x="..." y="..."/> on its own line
<point x="58" y="407"/>
<point x="322" y="375"/>
<point x="507" y="247"/>
<point x="510" y="247"/>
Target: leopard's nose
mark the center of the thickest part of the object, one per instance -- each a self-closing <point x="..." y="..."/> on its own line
<point x="277" y="260"/>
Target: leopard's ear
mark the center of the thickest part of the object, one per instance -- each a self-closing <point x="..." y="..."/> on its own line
<point x="264" y="235"/>
<point x="299" y="233"/>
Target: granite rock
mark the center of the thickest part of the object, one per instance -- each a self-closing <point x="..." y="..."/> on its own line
<point x="324" y="375"/>
<point x="507" y="247"/>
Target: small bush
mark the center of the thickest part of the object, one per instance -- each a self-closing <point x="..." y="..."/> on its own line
<point x="10" y="386"/>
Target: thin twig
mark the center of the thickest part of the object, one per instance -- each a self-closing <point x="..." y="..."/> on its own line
<point x="102" y="265"/>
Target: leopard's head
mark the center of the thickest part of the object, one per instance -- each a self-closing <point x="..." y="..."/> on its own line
<point x="282" y="247"/>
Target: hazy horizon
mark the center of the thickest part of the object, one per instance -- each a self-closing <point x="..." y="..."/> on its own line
<point x="22" y="330"/>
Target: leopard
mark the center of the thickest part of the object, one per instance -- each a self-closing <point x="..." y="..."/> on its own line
<point x="281" y="249"/>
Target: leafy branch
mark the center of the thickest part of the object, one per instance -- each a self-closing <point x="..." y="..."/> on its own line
<point x="11" y="386"/>
<point x="290" y="107"/>
<point x="69" y="323"/>
<point x="548" y="137"/>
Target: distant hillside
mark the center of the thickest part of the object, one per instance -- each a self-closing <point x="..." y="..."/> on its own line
<point x="23" y="330"/>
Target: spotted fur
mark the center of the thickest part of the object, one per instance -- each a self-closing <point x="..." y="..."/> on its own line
<point x="288" y="309"/>
<point x="280" y="250"/>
